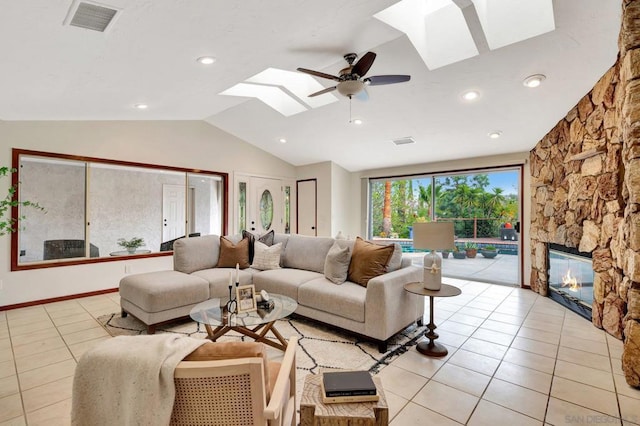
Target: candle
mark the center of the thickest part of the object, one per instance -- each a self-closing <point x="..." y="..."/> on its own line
<point x="230" y="279"/>
<point x="237" y="273"/>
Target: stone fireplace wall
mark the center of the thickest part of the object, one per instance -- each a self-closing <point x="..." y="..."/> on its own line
<point x="585" y="177"/>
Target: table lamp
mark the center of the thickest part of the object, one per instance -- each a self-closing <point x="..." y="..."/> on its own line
<point x="433" y="236"/>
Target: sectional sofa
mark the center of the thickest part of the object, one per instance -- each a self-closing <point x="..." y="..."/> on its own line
<point x="378" y="310"/>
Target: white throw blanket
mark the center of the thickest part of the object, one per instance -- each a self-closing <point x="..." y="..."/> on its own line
<point x="128" y="380"/>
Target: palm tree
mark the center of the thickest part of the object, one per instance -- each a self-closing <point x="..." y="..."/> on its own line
<point x="466" y="198"/>
<point x="496" y="199"/>
<point x="386" y="209"/>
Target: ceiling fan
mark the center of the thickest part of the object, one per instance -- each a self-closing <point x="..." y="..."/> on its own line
<point x="351" y="80"/>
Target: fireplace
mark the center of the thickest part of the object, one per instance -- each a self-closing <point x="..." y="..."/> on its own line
<point x="570" y="278"/>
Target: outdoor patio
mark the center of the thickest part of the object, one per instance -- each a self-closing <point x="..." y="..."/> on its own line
<point x="503" y="269"/>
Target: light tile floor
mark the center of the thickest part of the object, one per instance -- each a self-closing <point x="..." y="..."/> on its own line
<point x="515" y="358"/>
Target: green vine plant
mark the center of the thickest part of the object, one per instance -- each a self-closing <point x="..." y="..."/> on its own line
<point x="10" y="224"/>
<point x="131" y="244"/>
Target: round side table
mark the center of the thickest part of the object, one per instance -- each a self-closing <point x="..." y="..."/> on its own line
<point x="431" y="348"/>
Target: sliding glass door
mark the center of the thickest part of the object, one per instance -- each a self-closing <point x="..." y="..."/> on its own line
<point x="483" y="205"/>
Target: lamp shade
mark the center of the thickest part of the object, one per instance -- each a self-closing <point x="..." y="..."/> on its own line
<point x="433" y="235"/>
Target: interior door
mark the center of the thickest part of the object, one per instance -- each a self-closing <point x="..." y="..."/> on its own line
<point x="265" y="207"/>
<point x="307" y="207"/>
<point x="173" y="211"/>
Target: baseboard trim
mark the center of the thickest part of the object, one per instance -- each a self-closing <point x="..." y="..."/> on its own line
<point x="57" y="299"/>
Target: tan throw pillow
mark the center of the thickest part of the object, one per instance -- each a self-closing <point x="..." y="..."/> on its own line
<point x="266" y="257"/>
<point x="368" y="261"/>
<point x="230" y="254"/>
<point x="336" y="265"/>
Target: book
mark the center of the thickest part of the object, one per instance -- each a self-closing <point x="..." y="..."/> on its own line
<point x="347" y="383"/>
<point x="349" y="399"/>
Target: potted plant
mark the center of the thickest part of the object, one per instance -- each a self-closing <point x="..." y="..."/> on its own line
<point x="489" y="251"/>
<point x="9" y="224"/>
<point x="459" y="253"/>
<point x="131" y="245"/>
<point x="471" y="249"/>
<point x="445" y="253"/>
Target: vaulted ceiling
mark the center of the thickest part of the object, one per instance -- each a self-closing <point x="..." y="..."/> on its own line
<point x="147" y="55"/>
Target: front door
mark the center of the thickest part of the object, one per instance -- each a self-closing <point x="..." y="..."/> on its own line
<point x="173" y="211"/>
<point x="265" y="206"/>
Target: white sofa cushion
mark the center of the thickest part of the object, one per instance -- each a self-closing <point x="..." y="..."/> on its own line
<point x="162" y="290"/>
<point x="346" y="300"/>
<point x="218" y="279"/>
<point x="283" y="281"/>
<point x="194" y="254"/>
<point x="308" y="253"/>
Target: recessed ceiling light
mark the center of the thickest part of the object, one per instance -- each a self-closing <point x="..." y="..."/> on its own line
<point x="534" y="80"/>
<point x="357" y="121"/>
<point x="206" y="60"/>
<point x="141" y="106"/>
<point x="495" y="135"/>
<point x="470" y="95"/>
<point x="283" y="140"/>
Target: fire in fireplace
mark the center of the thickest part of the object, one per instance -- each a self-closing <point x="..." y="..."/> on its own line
<point x="570" y="278"/>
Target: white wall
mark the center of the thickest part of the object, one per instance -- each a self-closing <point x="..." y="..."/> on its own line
<point x="344" y="207"/>
<point x="188" y="144"/>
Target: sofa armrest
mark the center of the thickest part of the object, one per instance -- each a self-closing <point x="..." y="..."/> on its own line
<point x="388" y="307"/>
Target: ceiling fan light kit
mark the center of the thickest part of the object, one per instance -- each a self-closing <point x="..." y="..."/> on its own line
<point x="351" y="80"/>
<point x="349" y="88"/>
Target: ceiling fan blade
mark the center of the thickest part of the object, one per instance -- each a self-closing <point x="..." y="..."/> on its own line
<point x="323" y="91"/>
<point x="378" y="80"/>
<point x="319" y="74"/>
<point x="363" y="95"/>
<point x="362" y="66"/>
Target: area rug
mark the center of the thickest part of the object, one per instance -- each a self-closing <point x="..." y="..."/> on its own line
<point x="320" y="346"/>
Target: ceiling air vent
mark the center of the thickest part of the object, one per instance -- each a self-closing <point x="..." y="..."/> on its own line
<point x="92" y="16"/>
<point x="404" y="141"/>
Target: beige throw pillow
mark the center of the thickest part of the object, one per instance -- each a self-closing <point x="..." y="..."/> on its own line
<point x="265" y="257"/>
<point x="230" y="254"/>
<point x="368" y="261"/>
<point x="395" y="261"/>
<point x="336" y="265"/>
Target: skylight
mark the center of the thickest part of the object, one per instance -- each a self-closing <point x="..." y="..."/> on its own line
<point x="275" y="97"/>
<point x="285" y="91"/>
<point x="448" y="31"/>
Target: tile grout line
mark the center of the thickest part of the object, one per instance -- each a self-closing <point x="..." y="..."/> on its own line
<point x="498" y="367"/>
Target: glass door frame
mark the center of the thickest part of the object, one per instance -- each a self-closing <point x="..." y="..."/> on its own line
<point x="519" y="168"/>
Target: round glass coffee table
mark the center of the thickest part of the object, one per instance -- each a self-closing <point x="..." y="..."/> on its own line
<point x="254" y="324"/>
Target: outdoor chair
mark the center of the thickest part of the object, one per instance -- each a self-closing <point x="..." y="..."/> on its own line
<point x="66" y="249"/>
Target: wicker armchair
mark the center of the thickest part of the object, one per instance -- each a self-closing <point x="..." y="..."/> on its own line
<point x="236" y="391"/>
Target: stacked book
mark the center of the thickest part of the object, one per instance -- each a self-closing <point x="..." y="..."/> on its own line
<point x="348" y="386"/>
